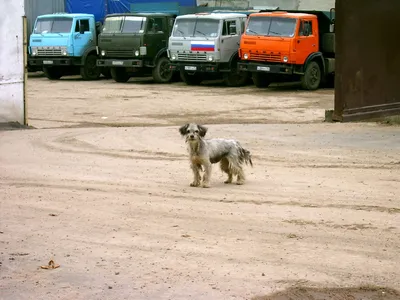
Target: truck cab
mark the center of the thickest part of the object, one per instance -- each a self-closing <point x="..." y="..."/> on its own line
<point x="206" y="45"/>
<point x="65" y="44"/>
<point x="136" y="44"/>
<point x="288" y="46"/>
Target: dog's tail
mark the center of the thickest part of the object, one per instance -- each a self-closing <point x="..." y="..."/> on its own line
<point x="245" y="156"/>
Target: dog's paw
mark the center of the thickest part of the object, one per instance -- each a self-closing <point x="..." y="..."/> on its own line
<point x="227" y="181"/>
<point x="205" y="185"/>
<point x="194" y="184"/>
<point x="239" y="182"/>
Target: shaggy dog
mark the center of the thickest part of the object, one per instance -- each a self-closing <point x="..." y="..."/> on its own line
<point x="205" y="152"/>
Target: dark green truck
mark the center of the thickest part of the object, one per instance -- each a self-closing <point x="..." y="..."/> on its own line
<point x="135" y="44"/>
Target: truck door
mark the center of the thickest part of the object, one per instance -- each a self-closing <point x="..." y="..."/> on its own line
<point x="83" y="36"/>
<point x="307" y="40"/>
<point x="230" y="38"/>
<point x="157" y="35"/>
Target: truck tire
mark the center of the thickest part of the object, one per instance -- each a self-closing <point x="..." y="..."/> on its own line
<point x="191" y="79"/>
<point x="234" y="78"/>
<point x="260" y="80"/>
<point x="119" y="74"/>
<point x="161" y="72"/>
<point x="312" y="77"/>
<point x="106" y="73"/>
<point x="328" y="81"/>
<point x="90" y="71"/>
<point x="176" y="77"/>
<point x="52" y="73"/>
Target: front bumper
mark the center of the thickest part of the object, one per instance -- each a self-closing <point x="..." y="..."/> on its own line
<point x="125" y="63"/>
<point x="189" y="66"/>
<point x="265" y="67"/>
<point x="53" y="61"/>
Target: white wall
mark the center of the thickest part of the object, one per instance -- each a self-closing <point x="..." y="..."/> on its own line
<point x="283" y="4"/>
<point x="11" y="61"/>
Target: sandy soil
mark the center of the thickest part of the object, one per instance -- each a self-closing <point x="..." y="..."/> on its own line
<point x="102" y="187"/>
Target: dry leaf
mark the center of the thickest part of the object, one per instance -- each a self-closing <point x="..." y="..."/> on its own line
<point x="51" y="265"/>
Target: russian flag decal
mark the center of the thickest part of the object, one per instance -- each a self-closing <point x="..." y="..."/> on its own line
<point x="202" y="46"/>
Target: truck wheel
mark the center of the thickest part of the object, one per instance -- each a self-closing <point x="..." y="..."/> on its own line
<point x="161" y="72"/>
<point x="191" y="79"/>
<point x="260" y="80"/>
<point x="236" y="78"/>
<point x="106" y="73"/>
<point x="312" y="77"/>
<point x="176" y="76"/>
<point x="52" y="73"/>
<point x="328" y="81"/>
<point x="90" y="71"/>
<point x="119" y="74"/>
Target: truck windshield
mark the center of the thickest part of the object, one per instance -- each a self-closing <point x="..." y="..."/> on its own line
<point x="271" y="26"/>
<point x="133" y="24"/>
<point x="53" y="25"/>
<point x="196" y="28"/>
<point x="125" y="24"/>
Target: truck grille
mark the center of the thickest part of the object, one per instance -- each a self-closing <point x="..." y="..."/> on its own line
<point x="265" y="57"/>
<point x="192" y="56"/>
<point x="120" y="53"/>
<point x="49" y="52"/>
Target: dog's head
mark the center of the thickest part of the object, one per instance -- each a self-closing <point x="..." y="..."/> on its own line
<point x="193" y="132"/>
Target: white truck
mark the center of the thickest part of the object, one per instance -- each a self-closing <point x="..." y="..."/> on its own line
<point x="205" y="46"/>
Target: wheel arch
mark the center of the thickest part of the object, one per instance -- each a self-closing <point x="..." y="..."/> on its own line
<point x="234" y="57"/>
<point x="318" y="58"/>
<point x="89" y="51"/>
<point x="161" y="53"/>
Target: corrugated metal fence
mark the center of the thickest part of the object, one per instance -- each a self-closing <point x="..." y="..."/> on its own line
<point x="34" y="8"/>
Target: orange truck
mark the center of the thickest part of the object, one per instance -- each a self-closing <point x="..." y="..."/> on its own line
<point x="284" y="46"/>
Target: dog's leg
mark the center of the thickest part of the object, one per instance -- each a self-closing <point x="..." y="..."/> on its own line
<point x="196" y="175"/>
<point x="240" y="176"/>
<point x="224" y="164"/>
<point x="207" y="174"/>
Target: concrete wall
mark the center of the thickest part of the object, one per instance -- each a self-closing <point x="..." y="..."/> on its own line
<point x="283" y="4"/>
<point x="11" y="61"/>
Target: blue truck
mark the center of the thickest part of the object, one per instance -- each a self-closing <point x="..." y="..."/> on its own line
<point x="64" y="44"/>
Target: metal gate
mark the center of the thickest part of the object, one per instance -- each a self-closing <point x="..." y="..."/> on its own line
<point x="34" y="8"/>
<point x="367" y="80"/>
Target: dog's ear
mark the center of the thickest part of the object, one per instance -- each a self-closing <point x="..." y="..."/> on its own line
<point x="183" y="129"/>
<point x="202" y="130"/>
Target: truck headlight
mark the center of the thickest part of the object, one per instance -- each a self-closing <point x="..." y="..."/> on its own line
<point x="210" y="58"/>
<point x="285" y="59"/>
<point x="103" y="53"/>
<point x="34" y="51"/>
<point x="245" y="56"/>
<point x="64" y="53"/>
<point x="173" y="57"/>
<point x="137" y="53"/>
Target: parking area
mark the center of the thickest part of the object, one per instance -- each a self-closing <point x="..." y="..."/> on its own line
<point x="101" y="185"/>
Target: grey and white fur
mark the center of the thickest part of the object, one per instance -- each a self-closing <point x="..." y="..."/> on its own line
<point x="205" y="152"/>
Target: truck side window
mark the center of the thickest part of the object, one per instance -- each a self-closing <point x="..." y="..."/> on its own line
<point x="155" y="25"/>
<point x="305" y="28"/>
<point x="229" y="28"/>
<point x="77" y="26"/>
<point x="84" y="24"/>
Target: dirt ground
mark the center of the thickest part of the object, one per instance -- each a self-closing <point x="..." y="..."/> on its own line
<point x="101" y="185"/>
